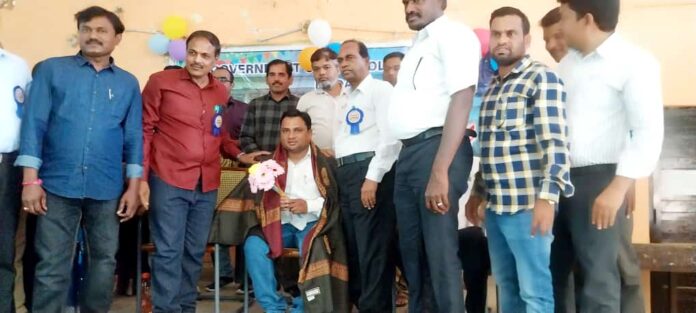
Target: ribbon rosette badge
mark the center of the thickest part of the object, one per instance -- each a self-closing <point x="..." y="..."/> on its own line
<point x="262" y="176"/>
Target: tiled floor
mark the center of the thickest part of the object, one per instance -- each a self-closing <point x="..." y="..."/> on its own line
<point x="127" y="304"/>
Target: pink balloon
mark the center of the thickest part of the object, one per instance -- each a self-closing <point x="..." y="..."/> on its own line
<point x="177" y="49"/>
<point x="484" y="37"/>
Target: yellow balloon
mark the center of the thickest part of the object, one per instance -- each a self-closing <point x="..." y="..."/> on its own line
<point x="305" y="58"/>
<point x="175" y="27"/>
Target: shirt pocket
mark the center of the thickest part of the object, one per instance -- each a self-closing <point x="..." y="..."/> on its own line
<point x="511" y="112"/>
<point x="117" y="103"/>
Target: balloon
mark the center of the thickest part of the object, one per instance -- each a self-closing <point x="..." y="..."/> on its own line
<point x="177" y="49"/>
<point x="484" y="37"/>
<point x="334" y="46"/>
<point x="159" y="44"/>
<point x="175" y="27"/>
<point x="319" y="32"/>
<point x="305" y="58"/>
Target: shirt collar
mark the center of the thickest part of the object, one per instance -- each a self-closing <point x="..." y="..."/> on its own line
<point x="306" y="157"/>
<point x="287" y="97"/>
<point x="82" y="61"/>
<point x="431" y="28"/>
<point x="2" y="52"/>
<point x="522" y="65"/>
<point x="610" y="46"/>
<point x="365" y="84"/>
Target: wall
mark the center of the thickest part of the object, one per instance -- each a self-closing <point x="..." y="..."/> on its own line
<point x="37" y="29"/>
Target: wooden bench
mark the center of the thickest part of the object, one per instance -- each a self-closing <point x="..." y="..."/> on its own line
<point x="670" y="258"/>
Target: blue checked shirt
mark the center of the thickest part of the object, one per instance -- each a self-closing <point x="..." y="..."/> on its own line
<point x="524" y="151"/>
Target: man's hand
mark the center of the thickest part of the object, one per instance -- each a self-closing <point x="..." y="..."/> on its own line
<point x="144" y="196"/>
<point x="250" y="158"/>
<point x="542" y="221"/>
<point x="368" y="194"/>
<point x="607" y="204"/>
<point x="295" y="206"/>
<point x="34" y="200"/>
<point x="436" y="193"/>
<point x="631" y="200"/>
<point x="473" y="212"/>
<point x="129" y="200"/>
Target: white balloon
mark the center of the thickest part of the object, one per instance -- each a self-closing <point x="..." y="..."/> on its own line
<point x="319" y="32"/>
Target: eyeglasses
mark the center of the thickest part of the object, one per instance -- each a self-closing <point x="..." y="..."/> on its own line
<point x="223" y="79"/>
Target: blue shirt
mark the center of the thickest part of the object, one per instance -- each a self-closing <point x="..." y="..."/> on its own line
<point x="80" y="126"/>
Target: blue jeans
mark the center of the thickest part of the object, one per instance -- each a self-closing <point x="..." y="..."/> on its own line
<point x="179" y="225"/>
<point x="55" y="246"/>
<point x="520" y="263"/>
<point x="262" y="272"/>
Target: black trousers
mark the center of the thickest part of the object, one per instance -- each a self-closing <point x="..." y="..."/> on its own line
<point x="429" y="241"/>
<point x="10" y="204"/>
<point x="370" y="237"/>
<point x="127" y="255"/>
<point x="596" y="252"/>
<point x="476" y="264"/>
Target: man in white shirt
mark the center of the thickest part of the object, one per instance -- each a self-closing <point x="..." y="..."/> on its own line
<point x="631" y="293"/>
<point x="14" y="80"/>
<point x="615" y="120"/>
<point x="300" y="209"/>
<point x="365" y="153"/>
<point x="320" y="104"/>
<point x="428" y="113"/>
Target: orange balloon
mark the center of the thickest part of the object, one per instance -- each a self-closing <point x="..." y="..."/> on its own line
<point x="305" y="58"/>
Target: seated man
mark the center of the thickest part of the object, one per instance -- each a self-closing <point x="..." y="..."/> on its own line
<point x="308" y="210"/>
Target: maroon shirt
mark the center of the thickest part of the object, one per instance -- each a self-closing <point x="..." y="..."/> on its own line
<point x="232" y="121"/>
<point x="179" y="144"/>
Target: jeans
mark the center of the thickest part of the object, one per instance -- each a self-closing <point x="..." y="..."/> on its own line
<point x="179" y="225"/>
<point x="55" y="247"/>
<point x="520" y="263"/>
<point x="10" y="205"/>
<point x="262" y="271"/>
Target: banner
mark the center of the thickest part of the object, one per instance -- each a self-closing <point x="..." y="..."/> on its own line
<point x="249" y="67"/>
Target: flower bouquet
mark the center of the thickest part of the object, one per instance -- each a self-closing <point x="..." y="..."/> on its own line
<point x="262" y="176"/>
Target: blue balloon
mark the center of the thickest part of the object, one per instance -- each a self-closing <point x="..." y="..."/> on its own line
<point x="158" y="44"/>
<point x="334" y="46"/>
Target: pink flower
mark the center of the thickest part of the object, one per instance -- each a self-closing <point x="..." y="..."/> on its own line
<point x="263" y="176"/>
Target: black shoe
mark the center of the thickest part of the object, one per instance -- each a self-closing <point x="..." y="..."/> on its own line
<point x="224" y="281"/>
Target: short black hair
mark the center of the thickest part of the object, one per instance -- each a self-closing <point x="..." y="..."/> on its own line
<point x="362" y="48"/>
<point x="88" y="14"/>
<point x="288" y="66"/>
<point x="228" y="70"/>
<point x="395" y="54"/>
<point x="506" y="11"/>
<point x="214" y="40"/>
<point x="172" y="67"/>
<point x="551" y="18"/>
<point x="297" y="113"/>
<point x="323" y="53"/>
<point x="604" y="12"/>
